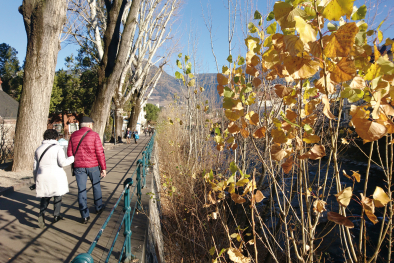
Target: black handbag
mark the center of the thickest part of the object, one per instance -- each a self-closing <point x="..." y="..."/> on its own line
<point x="33" y="187"/>
<point x="76" y="150"/>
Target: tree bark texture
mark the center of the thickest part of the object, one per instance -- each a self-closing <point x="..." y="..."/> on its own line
<point x="119" y="122"/>
<point x="135" y="112"/>
<point x="43" y="21"/>
<point x="115" y="57"/>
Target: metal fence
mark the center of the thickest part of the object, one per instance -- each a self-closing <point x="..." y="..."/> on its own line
<point x="128" y="194"/>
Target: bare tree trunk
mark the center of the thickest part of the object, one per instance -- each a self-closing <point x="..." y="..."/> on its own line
<point x="119" y="123"/>
<point x="115" y="57"/>
<point x="43" y="21"/>
<point x="135" y="112"/>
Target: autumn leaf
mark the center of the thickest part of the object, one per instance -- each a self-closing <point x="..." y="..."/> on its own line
<point x="285" y="13"/>
<point x="306" y="31"/>
<point x="320" y="85"/>
<point x="222" y="79"/>
<point x="344" y="196"/>
<point x="357" y="83"/>
<point x="234" y="115"/>
<point x="244" y="133"/>
<point x="258" y="196"/>
<point x="369" y="208"/>
<point x="355" y="175"/>
<point x="256" y="82"/>
<point x="220" y="89"/>
<point x="319" y="206"/>
<point x="310" y="106"/>
<point x="341" y="42"/>
<point x="252" y="117"/>
<point x="237" y="198"/>
<point x="380" y="198"/>
<point x="287" y="165"/>
<point x="233" y="128"/>
<point x="236" y="256"/>
<point x="278" y="136"/>
<point x="301" y="68"/>
<point x="293" y="44"/>
<point x="291" y="115"/>
<point x="326" y="108"/>
<point x="277" y="153"/>
<point x="337" y="8"/>
<point x="259" y="133"/>
<point x="282" y="90"/>
<point x="344" y="70"/>
<point x="311" y="138"/>
<point x="315" y="153"/>
<point x="339" y="219"/>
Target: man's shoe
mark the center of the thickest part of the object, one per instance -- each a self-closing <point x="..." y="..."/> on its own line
<point x="100" y="210"/>
<point x="57" y="218"/>
<point x="41" y="221"/>
<point x="85" y="220"/>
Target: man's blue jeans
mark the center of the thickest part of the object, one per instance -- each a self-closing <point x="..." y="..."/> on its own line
<point x="81" y="174"/>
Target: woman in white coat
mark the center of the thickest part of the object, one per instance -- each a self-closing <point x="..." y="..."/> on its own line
<point x="51" y="179"/>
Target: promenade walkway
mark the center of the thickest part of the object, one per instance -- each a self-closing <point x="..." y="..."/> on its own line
<point x="22" y="241"/>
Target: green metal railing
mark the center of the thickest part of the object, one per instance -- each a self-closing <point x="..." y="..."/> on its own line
<point x="129" y="213"/>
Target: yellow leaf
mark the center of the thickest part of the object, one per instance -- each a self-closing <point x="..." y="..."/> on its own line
<point x="311" y="138"/>
<point x="344" y="70"/>
<point x="252" y="117"/>
<point x="234" y="115"/>
<point x="341" y="42"/>
<point x="380" y="198"/>
<point x="357" y="83"/>
<point x="301" y="68"/>
<point x="344" y="141"/>
<point x="242" y="182"/>
<point x="310" y="106"/>
<point x="320" y="84"/>
<point x="344" y="196"/>
<point x="293" y="44"/>
<point x="306" y="31"/>
<point x="326" y="108"/>
<point x="337" y="8"/>
<point x="285" y="14"/>
<point x="236" y="256"/>
<point x="259" y="133"/>
<point x="316" y="153"/>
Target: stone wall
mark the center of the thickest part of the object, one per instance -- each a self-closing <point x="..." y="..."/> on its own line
<point x="155" y="245"/>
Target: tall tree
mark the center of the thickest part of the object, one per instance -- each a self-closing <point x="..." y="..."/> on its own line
<point x="10" y="73"/>
<point x="43" y="21"/>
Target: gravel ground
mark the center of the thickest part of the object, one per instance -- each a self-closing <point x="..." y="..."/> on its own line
<point x="8" y="179"/>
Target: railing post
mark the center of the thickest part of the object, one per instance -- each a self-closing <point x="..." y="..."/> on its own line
<point x="139" y="184"/>
<point x="83" y="258"/>
<point x="127" y="224"/>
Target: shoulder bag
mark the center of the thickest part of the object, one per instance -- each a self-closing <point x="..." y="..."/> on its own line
<point x="76" y="150"/>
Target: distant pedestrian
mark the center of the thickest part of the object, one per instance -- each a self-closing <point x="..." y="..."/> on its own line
<point x="85" y="145"/>
<point x="128" y="135"/>
<point x="51" y="179"/>
<point x="135" y="136"/>
<point x="146" y="131"/>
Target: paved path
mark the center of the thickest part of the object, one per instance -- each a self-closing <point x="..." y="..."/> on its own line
<point x="22" y="241"/>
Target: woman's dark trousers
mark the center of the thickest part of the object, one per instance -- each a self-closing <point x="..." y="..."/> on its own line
<point x="57" y="203"/>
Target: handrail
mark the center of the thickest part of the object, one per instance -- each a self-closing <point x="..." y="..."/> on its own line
<point x="140" y="172"/>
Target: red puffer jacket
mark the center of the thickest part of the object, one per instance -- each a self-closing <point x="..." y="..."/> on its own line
<point x="90" y="152"/>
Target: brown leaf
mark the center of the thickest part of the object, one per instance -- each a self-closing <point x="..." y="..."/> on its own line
<point x="320" y="85"/>
<point x="293" y="44"/>
<point x="244" y="133"/>
<point x="380" y="198"/>
<point x="316" y="153"/>
<point x="291" y="115"/>
<point x="319" y="206"/>
<point x="277" y="153"/>
<point x="357" y="83"/>
<point x="259" y="196"/>
<point x="369" y="208"/>
<point x="233" y="128"/>
<point x="282" y="90"/>
<point x="288" y="165"/>
<point x="344" y="196"/>
<point x="220" y="89"/>
<point x="344" y="70"/>
<point x="210" y="198"/>
<point x="326" y="109"/>
<point x="234" y="146"/>
<point x="222" y="79"/>
<point x="259" y="133"/>
<point x="278" y="136"/>
<point x="301" y="68"/>
<point x="237" y="198"/>
<point x="339" y="219"/>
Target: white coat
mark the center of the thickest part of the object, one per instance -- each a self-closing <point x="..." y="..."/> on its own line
<point x="50" y="178"/>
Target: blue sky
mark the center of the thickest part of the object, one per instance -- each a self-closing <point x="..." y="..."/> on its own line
<point x="191" y="20"/>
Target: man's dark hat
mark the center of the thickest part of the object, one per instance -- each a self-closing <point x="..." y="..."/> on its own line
<point x="86" y="119"/>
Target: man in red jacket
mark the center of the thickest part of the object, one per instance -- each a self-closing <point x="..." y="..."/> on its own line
<point x="89" y="158"/>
